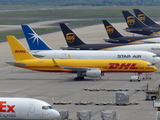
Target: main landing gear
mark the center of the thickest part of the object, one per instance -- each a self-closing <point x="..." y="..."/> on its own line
<point x="79" y="76"/>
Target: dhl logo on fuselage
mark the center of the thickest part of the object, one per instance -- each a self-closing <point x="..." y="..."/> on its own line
<point x="6" y="108"/>
<point x="142" y="17"/>
<point x="20" y="51"/>
<point x="131" y="20"/>
<point x="70" y="37"/>
<point x="110" y="29"/>
<point x="122" y="66"/>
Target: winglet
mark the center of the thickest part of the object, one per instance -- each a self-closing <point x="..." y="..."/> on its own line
<point x="69" y="56"/>
<point x="34" y="41"/>
<point x="71" y="38"/>
<point x="18" y="50"/>
<point x="55" y="63"/>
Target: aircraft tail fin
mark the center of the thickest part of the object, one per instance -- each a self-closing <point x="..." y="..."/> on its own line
<point x="132" y="21"/>
<point x="144" y="17"/>
<point x="111" y="31"/>
<point x="18" y="50"/>
<point x="34" y="41"/>
<point x="71" y="38"/>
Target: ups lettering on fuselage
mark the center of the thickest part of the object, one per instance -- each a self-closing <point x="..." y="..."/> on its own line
<point x="122" y="66"/>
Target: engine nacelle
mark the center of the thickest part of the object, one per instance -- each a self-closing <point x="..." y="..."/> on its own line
<point x="94" y="73"/>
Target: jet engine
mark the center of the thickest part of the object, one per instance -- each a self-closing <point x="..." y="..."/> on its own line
<point x="94" y="73"/>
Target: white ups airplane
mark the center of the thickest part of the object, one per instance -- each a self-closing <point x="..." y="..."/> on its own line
<point x="26" y="108"/>
<point x="39" y="49"/>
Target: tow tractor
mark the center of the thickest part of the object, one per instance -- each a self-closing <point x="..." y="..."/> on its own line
<point x="152" y="94"/>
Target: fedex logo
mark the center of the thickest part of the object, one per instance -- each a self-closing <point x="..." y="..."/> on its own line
<point x="6" y="108"/>
<point x="20" y="51"/>
<point x="122" y="66"/>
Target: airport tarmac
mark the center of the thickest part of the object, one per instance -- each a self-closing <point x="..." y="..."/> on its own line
<point x="17" y="82"/>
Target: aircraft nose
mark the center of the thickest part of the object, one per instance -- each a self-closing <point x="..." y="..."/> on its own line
<point x="157" y="60"/>
<point x="56" y="115"/>
<point x="155" y="68"/>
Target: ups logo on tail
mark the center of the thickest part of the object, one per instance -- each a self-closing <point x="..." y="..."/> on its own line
<point x="110" y="29"/>
<point x="142" y="17"/>
<point x="70" y="37"/>
<point x="131" y="20"/>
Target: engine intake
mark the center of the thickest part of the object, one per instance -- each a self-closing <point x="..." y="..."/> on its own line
<point x="94" y="73"/>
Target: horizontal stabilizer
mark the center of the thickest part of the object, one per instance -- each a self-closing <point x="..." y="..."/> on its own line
<point x="16" y="63"/>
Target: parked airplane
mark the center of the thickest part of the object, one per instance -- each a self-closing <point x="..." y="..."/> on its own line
<point x="40" y="49"/>
<point x="77" y="44"/>
<point x="116" y="37"/>
<point x="137" y="26"/>
<point x="26" y="108"/>
<point x="145" y="18"/>
<point x="83" y="67"/>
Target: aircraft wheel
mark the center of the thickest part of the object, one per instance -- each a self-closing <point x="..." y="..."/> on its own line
<point x="82" y="78"/>
<point x="79" y="78"/>
<point x="76" y="78"/>
<point x="153" y="98"/>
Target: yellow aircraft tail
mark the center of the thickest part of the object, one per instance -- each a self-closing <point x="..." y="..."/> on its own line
<point x="18" y="50"/>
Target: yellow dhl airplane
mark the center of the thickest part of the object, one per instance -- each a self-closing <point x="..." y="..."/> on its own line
<point x="83" y="67"/>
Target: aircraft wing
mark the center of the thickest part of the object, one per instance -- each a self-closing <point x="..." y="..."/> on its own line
<point x="78" y="68"/>
<point x="110" y="40"/>
<point x="69" y="48"/>
<point x="38" y="56"/>
<point x="16" y="63"/>
<point x="128" y="30"/>
<point x="35" y="53"/>
<point x="73" y="68"/>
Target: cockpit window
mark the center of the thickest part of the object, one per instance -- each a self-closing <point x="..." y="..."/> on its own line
<point x="50" y="107"/>
<point x="47" y="107"/>
<point x="150" y="64"/>
<point x="155" y="56"/>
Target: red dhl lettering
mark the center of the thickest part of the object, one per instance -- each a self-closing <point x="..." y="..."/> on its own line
<point x="122" y="66"/>
<point x="6" y="108"/>
<point x="20" y="51"/>
<point x="149" y="67"/>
